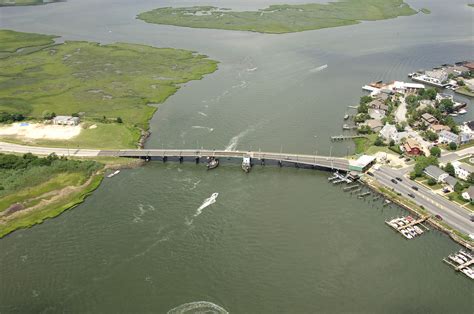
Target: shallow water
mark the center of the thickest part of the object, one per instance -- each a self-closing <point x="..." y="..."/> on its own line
<point x="275" y="240"/>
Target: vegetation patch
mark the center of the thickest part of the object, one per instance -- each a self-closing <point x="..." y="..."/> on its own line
<point x="111" y="86"/>
<point x="4" y="3"/>
<point x="425" y="11"/>
<point x="279" y="19"/>
<point x="33" y="189"/>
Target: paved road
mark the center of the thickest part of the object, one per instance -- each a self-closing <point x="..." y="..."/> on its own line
<point x="451" y="156"/>
<point x="435" y="204"/>
<point x="401" y="112"/>
<point x="23" y="149"/>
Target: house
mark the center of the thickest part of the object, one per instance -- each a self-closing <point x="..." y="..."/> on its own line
<point x="376" y="114"/>
<point x="374" y="125"/>
<point x="437" y="76"/>
<point x="66" y="120"/>
<point x="399" y="136"/>
<point x="462" y="170"/>
<point x="470" y="125"/>
<point x="378" y="103"/>
<point x="457" y="70"/>
<point x="388" y="131"/>
<point x="428" y="118"/>
<point x="438" y="128"/>
<point x="465" y="138"/>
<point x="412" y="147"/>
<point x="468" y="195"/>
<point x="362" y="164"/>
<point x="436" y="173"/>
<point x="448" y="137"/>
<point x="450" y="182"/>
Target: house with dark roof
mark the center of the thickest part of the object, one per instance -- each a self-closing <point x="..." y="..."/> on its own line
<point x="428" y="118"/>
<point x="436" y="173"/>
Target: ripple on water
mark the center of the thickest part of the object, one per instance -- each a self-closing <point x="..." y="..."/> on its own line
<point x="198" y="307"/>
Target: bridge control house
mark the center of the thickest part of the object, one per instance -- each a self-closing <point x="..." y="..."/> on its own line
<point x="362" y="164"/>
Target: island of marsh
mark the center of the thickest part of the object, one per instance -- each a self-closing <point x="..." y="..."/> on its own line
<point x="110" y="87"/>
<point x="33" y="189"/>
<point x="281" y="18"/>
<point x="4" y="3"/>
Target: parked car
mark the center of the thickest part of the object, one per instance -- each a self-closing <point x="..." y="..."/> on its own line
<point x="399" y="179"/>
<point x="415" y="188"/>
<point x="439" y="217"/>
<point x="471" y="216"/>
<point x="394" y="181"/>
<point x="411" y="195"/>
<point x="370" y="174"/>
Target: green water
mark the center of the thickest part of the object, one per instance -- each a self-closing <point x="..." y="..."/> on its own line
<point x="275" y="240"/>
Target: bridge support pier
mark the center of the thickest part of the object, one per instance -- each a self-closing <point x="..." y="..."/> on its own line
<point x="280" y="163"/>
<point x="165" y="158"/>
<point x="262" y="162"/>
<point x="181" y="159"/>
<point x="197" y="160"/>
<point x="296" y="165"/>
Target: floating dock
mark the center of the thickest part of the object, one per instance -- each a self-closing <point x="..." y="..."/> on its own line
<point x="408" y="226"/>
<point x="345" y="137"/>
<point x="461" y="261"/>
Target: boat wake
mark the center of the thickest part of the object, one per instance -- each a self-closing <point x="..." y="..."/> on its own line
<point x="202" y="127"/>
<point x="202" y="114"/>
<point x="318" y="68"/>
<point x="207" y="202"/>
<point x="198" y="307"/>
<point x="142" y="210"/>
<point x="236" y="139"/>
<point x="242" y="84"/>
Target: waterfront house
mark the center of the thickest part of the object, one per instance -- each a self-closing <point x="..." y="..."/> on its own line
<point x="374" y="125"/>
<point x="462" y="170"/>
<point x="448" y="137"/>
<point x="66" y="120"/>
<point x="437" y="76"/>
<point x="378" y="103"/>
<point x="436" y="173"/>
<point x="468" y="195"/>
<point x="376" y="114"/>
<point x="428" y="118"/>
<point x="438" y="128"/>
<point x="412" y="147"/>
<point x="465" y="138"/>
<point x="388" y="131"/>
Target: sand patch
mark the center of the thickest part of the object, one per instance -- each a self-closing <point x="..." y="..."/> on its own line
<point x="40" y="131"/>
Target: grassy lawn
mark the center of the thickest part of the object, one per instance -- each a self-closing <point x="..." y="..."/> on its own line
<point x="465" y="91"/>
<point x="470" y="207"/>
<point x="283" y="18"/>
<point x="466" y="160"/>
<point x="375" y="149"/>
<point x="364" y="143"/>
<point x="96" y="81"/>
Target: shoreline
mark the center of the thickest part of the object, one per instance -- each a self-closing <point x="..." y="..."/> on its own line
<point x="448" y="231"/>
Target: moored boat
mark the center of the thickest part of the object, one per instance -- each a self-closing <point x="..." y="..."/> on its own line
<point x="212" y="163"/>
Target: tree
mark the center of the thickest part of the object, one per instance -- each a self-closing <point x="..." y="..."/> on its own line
<point x="431" y="182"/>
<point x="446" y="105"/>
<point x="429" y="93"/>
<point x="470" y="178"/>
<point x="392" y="143"/>
<point x="422" y="162"/>
<point x="378" y="141"/>
<point x="458" y="187"/>
<point x="453" y="146"/>
<point x="435" y="151"/>
<point x="48" y="115"/>
<point x="365" y="100"/>
<point x="449" y="168"/>
<point x="431" y="136"/>
<point x="363" y="108"/>
<point x="364" y="129"/>
<point x="119" y="120"/>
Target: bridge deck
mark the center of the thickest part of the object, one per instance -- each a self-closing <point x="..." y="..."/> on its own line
<point x="319" y="161"/>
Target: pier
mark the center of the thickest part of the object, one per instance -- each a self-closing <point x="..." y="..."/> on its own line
<point x="345" y="137"/>
<point x="461" y="261"/>
<point x="408" y="226"/>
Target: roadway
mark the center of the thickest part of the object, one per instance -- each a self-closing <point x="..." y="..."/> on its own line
<point x="23" y="149"/>
<point x="435" y="204"/>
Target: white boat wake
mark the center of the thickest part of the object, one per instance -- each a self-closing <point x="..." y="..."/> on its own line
<point x="202" y="127"/>
<point x="318" y="68"/>
<point x="198" y="307"/>
<point x="207" y="202"/>
<point x="235" y="140"/>
<point x="202" y="114"/>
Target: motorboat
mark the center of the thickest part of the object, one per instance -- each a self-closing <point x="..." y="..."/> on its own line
<point x="212" y="163"/>
<point x="113" y="173"/>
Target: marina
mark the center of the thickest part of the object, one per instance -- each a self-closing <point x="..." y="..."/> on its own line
<point x="408" y="226"/>
<point x="462" y="262"/>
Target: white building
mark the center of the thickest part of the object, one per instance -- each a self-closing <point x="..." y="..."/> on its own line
<point x="437" y="76"/>
<point x="66" y="120"/>
<point x="389" y="133"/>
<point x="462" y="170"/>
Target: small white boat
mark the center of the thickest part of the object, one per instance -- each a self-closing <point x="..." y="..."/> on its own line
<point x="453" y="114"/>
<point x="468" y="272"/>
<point x="113" y="173"/>
<point x="252" y="69"/>
<point x="462" y="111"/>
<point x="418" y="229"/>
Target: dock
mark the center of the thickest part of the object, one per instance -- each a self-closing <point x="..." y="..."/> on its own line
<point x="408" y="226"/>
<point x="345" y="137"/>
<point x="461" y="261"/>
